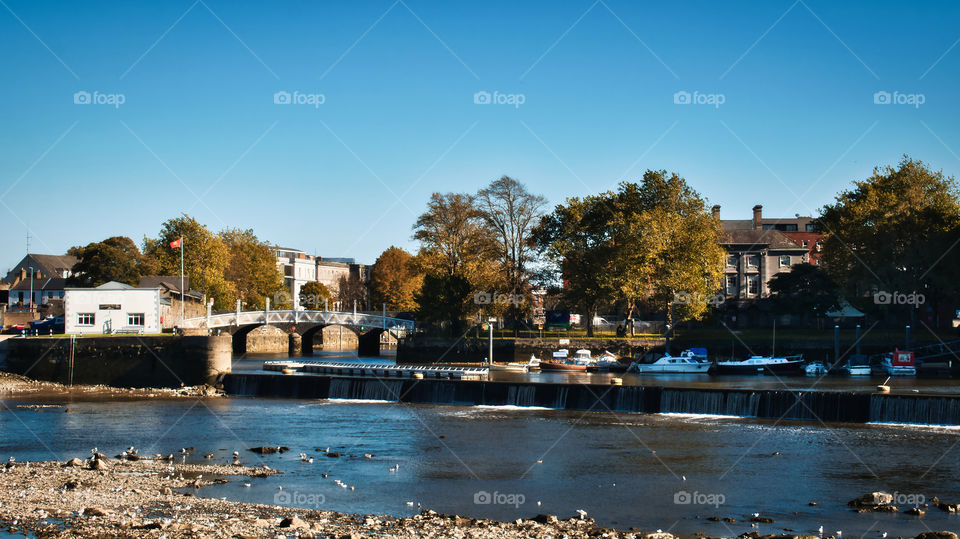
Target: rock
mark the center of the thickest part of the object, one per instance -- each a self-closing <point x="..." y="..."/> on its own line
<point x="872" y="499"/>
<point x="294" y="522"/>
<point x="545" y="519"/>
<point x="885" y="509"/>
<point x="264" y="450"/>
<point x="74" y="462"/>
<point x="283" y="449"/>
<point x="762" y="520"/>
<point x="729" y="519"/>
<point x="99" y="464"/>
<point x="813" y="504"/>
<point x="948" y="507"/>
<point x="713" y="519"/>
<point x="915" y="511"/>
<point x="166" y="491"/>
<point x="937" y="535"/>
<point x="333" y="454"/>
<point x="94" y="512"/>
<point x="657" y="535"/>
<point x="72" y="484"/>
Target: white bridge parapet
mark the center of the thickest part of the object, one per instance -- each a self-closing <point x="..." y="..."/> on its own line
<point x="247" y="318"/>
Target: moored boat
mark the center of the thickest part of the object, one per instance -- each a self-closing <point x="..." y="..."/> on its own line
<point x="686" y="362"/>
<point x="562" y="366"/>
<point x="899" y="363"/>
<point x="608" y="362"/>
<point x="858" y="365"/>
<point x="532" y="365"/>
<point x="815" y="368"/>
<point x="762" y="365"/>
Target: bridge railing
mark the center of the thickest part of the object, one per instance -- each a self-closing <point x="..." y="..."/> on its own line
<point x="245" y="318"/>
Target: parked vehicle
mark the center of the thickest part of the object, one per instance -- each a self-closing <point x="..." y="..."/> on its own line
<point x="762" y="365"/>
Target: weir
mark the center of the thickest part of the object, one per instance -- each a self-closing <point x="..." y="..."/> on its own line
<point x="827" y="406"/>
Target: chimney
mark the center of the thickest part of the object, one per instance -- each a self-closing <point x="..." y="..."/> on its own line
<point x="716" y="211"/>
<point x="757" y="217"/>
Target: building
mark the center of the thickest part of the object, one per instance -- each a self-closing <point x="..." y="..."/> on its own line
<point x="800" y="229"/>
<point x="171" y="297"/>
<point x="299" y="268"/>
<point x="49" y="274"/>
<point x="112" y="308"/>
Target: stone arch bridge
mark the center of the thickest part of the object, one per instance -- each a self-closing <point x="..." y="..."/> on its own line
<point x="302" y="326"/>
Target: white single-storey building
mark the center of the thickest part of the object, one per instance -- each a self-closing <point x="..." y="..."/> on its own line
<point x="112" y="308"/>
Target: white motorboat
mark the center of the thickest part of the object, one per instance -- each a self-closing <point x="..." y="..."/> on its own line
<point x="608" y="362"/>
<point x="686" y="362"/>
<point x="583" y="357"/>
<point x="815" y="368"/>
<point x="762" y="364"/>
<point x="899" y="363"/>
<point x="858" y="365"/>
<point x="532" y="365"/>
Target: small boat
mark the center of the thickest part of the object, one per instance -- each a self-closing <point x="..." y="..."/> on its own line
<point x="608" y="362"/>
<point x="562" y="366"/>
<point x="858" y="365"/>
<point x="686" y="362"/>
<point x="815" y="368"/>
<point x="762" y="365"/>
<point x="532" y="365"/>
<point x="583" y="357"/>
<point x="899" y="363"/>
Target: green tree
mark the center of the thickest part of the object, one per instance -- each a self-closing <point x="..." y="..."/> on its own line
<point x="394" y="280"/>
<point x="351" y="290"/>
<point x="444" y="300"/>
<point x="206" y="257"/>
<point x="251" y="268"/>
<point x="315" y="296"/>
<point x="805" y="290"/>
<point x="893" y="232"/>
<point x="113" y="259"/>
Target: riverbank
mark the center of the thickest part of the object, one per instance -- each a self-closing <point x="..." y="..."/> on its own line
<point x="156" y="498"/>
<point x="18" y="385"/>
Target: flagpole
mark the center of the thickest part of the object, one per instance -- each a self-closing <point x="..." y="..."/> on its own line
<point x="183" y="293"/>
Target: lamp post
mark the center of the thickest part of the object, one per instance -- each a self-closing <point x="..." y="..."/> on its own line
<point x="490" y="321"/>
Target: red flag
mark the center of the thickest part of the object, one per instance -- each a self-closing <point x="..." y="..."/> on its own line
<point x="175" y="244"/>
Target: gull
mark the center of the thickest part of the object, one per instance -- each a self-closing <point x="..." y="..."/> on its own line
<point x="884" y="535"/>
<point x="246" y="485"/>
<point x="683" y="478"/>
<point x="538" y="503"/>
<point x="208" y="456"/>
<point x="279" y="487"/>
<point x="540" y="461"/>
<point x="839" y="533"/>
<point x="310" y="460"/>
<point x="755" y="515"/>
<point x="582" y="513"/>
<point x="821" y="531"/>
<point x="94" y="451"/>
<point x="236" y="453"/>
<point x="410" y="504"/>
<point x="11" y="460"/>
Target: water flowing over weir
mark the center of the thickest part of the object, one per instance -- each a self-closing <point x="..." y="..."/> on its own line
<point x="832" y="406"/>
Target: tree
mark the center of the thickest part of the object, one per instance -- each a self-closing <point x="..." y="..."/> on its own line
<point x="890" y="232"/>
<point x="349" y="290"/>
<point x="443" y="300"/>
<point x="804" y="290"/>
<point x="315" y="295"/>
<point x="251" y="268"/>
<point x="206" y="257"/>
<point x="510" y="213"/>
<point x="113" y="259"/>
<point x="394" y="280"/>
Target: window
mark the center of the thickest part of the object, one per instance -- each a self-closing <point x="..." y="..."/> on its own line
<point x="731" y="285"/>
<point x="753" y="285"/>
<point x="785" y="261"/>
<point x="732" y="261"/>
<point x="811" y="227"/>
<point x="134" y="319"/>
<point x="806" y="244"/>
<point x="753" y="261"/>
<point x="85" y="319"/>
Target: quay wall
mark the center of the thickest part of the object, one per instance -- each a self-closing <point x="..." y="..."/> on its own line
<point x="122" y="361"/>
<point x="419" y="349"/>
<point x="826" y="406"/>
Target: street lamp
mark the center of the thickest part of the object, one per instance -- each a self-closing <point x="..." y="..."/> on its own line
<point x="490" y="322"/>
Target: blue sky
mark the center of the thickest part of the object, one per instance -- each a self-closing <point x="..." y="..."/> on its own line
<point x="198" y="130"/>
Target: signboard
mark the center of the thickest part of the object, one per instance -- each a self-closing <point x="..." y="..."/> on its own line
<point x="564" y="342"/>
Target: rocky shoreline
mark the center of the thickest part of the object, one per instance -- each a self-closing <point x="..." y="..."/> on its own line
<point x="157" y="497"/>
<point x="17" y="385"/>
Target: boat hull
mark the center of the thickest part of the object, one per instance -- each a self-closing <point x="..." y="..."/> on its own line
<point x="790" y="367"/>
<point x="553" y="366"/>
<point x="673" y="369"/>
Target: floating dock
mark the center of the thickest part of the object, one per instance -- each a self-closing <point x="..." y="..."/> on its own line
<point x="379" y="370"/>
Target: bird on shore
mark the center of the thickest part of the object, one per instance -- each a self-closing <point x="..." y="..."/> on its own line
<point x="94" y="451"/>
<point x="246" y="485"/>
<point x="821" y="531"/>
<point x="539" y="461"/>
<point x="839" y="533"/>
<point x="538" y="503"/>
<point x="208" y="456"/>
<point x="310" y="460"/>
<point x="236" y="453"/>
<point x="410" y="504"/>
